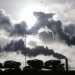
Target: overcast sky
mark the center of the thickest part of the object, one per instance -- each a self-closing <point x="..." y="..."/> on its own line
<point x="18" y="10"/>
<point x="64" y="8"/>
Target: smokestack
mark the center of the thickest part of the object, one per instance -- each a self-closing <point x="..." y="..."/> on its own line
<point x="66" y="62"/>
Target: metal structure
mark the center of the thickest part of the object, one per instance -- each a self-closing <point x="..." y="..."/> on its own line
<point x="25" y="51"/>
<point x="66" y="62"/>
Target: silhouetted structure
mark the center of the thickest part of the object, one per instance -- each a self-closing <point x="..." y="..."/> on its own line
<point x="1" y="65"/>
<point x="13" y="70"/>
<point x="38" y="65"/>
<point x="54" y="65"/>
<point x="66" y="60"/>
<point x="35" y="64"/>
<point x="1" y="71"/>
<point x="28" y="68"/>
<point x="11" y="64"/>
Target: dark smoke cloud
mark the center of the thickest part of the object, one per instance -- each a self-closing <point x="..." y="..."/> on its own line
<point x="70" y="30"/>
<point x="55" y="26"/>
<point x="40" y="50"/>
<point x="42" y="21"/>
<point x="19" y="46"/>
<point x="1" y="50"/>
<point x="43" y="16"/>
<point x="46" y="37"/>
<point x="46" y="20"/>
<point x="5" y="22"/>
<point x="72" y="40"/>
<point x="15" y="46"/>
<point x="20" y="29"/>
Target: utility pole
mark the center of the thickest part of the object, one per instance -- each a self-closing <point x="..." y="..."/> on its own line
<point x="25" y="51"/>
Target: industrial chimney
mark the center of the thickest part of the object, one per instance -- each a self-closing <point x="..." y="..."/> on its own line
<point x="66" y="62"/>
